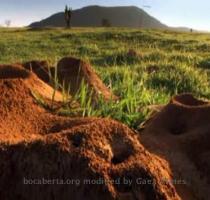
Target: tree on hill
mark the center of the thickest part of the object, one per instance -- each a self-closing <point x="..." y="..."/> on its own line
<point x="105" y="23"/>
<point x="7" y="22"/>
<point x="68" y="15"/>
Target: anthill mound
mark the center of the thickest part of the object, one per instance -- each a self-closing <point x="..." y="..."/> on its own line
<point x="133" y="53"/>
<point x="94" y="159"/>
<point x="20" y="116"/>
<point x="43" y="156"/>
<point x="180" y="133"/>
<point x="72" y="72"/>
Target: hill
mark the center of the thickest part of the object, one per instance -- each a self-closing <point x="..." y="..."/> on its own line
<point x="92" y="16"/>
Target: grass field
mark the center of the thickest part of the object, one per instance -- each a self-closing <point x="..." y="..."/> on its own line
<point x="169" y="63"/>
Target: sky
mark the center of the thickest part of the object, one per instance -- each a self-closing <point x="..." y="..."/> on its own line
<point x="189" y="13"/>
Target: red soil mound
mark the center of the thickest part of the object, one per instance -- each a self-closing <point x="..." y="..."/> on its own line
<point x="30" y="79"/>
<point x="133" y="53"/>
<point x="73" y="71"/>
<point x="43" y="149"/>
<point x="20" y="116"/>
<point x="180" y="133"/>
<point x="101" y="150"/>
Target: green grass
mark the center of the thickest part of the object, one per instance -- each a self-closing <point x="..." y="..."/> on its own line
<point x="169" y="63"/>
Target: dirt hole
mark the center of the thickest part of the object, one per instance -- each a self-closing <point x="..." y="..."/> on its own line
<point x="178" y="129"/>
<point x="122" y="149"/>
<point x="119" y="158"/>
<point x="77" y="139"/>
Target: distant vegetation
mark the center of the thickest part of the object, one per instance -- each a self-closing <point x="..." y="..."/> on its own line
<point x="106" y="23"/>
<point x="142" y="67"/>
<point x="7" y="23"/>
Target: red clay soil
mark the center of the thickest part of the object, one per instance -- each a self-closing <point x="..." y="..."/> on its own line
<point x="20" y="116"/>
<point x="40" y="152"/>
<point x="30" y="79"/>
<point x="73" y="71"/>
<point x="180" y="134"/>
